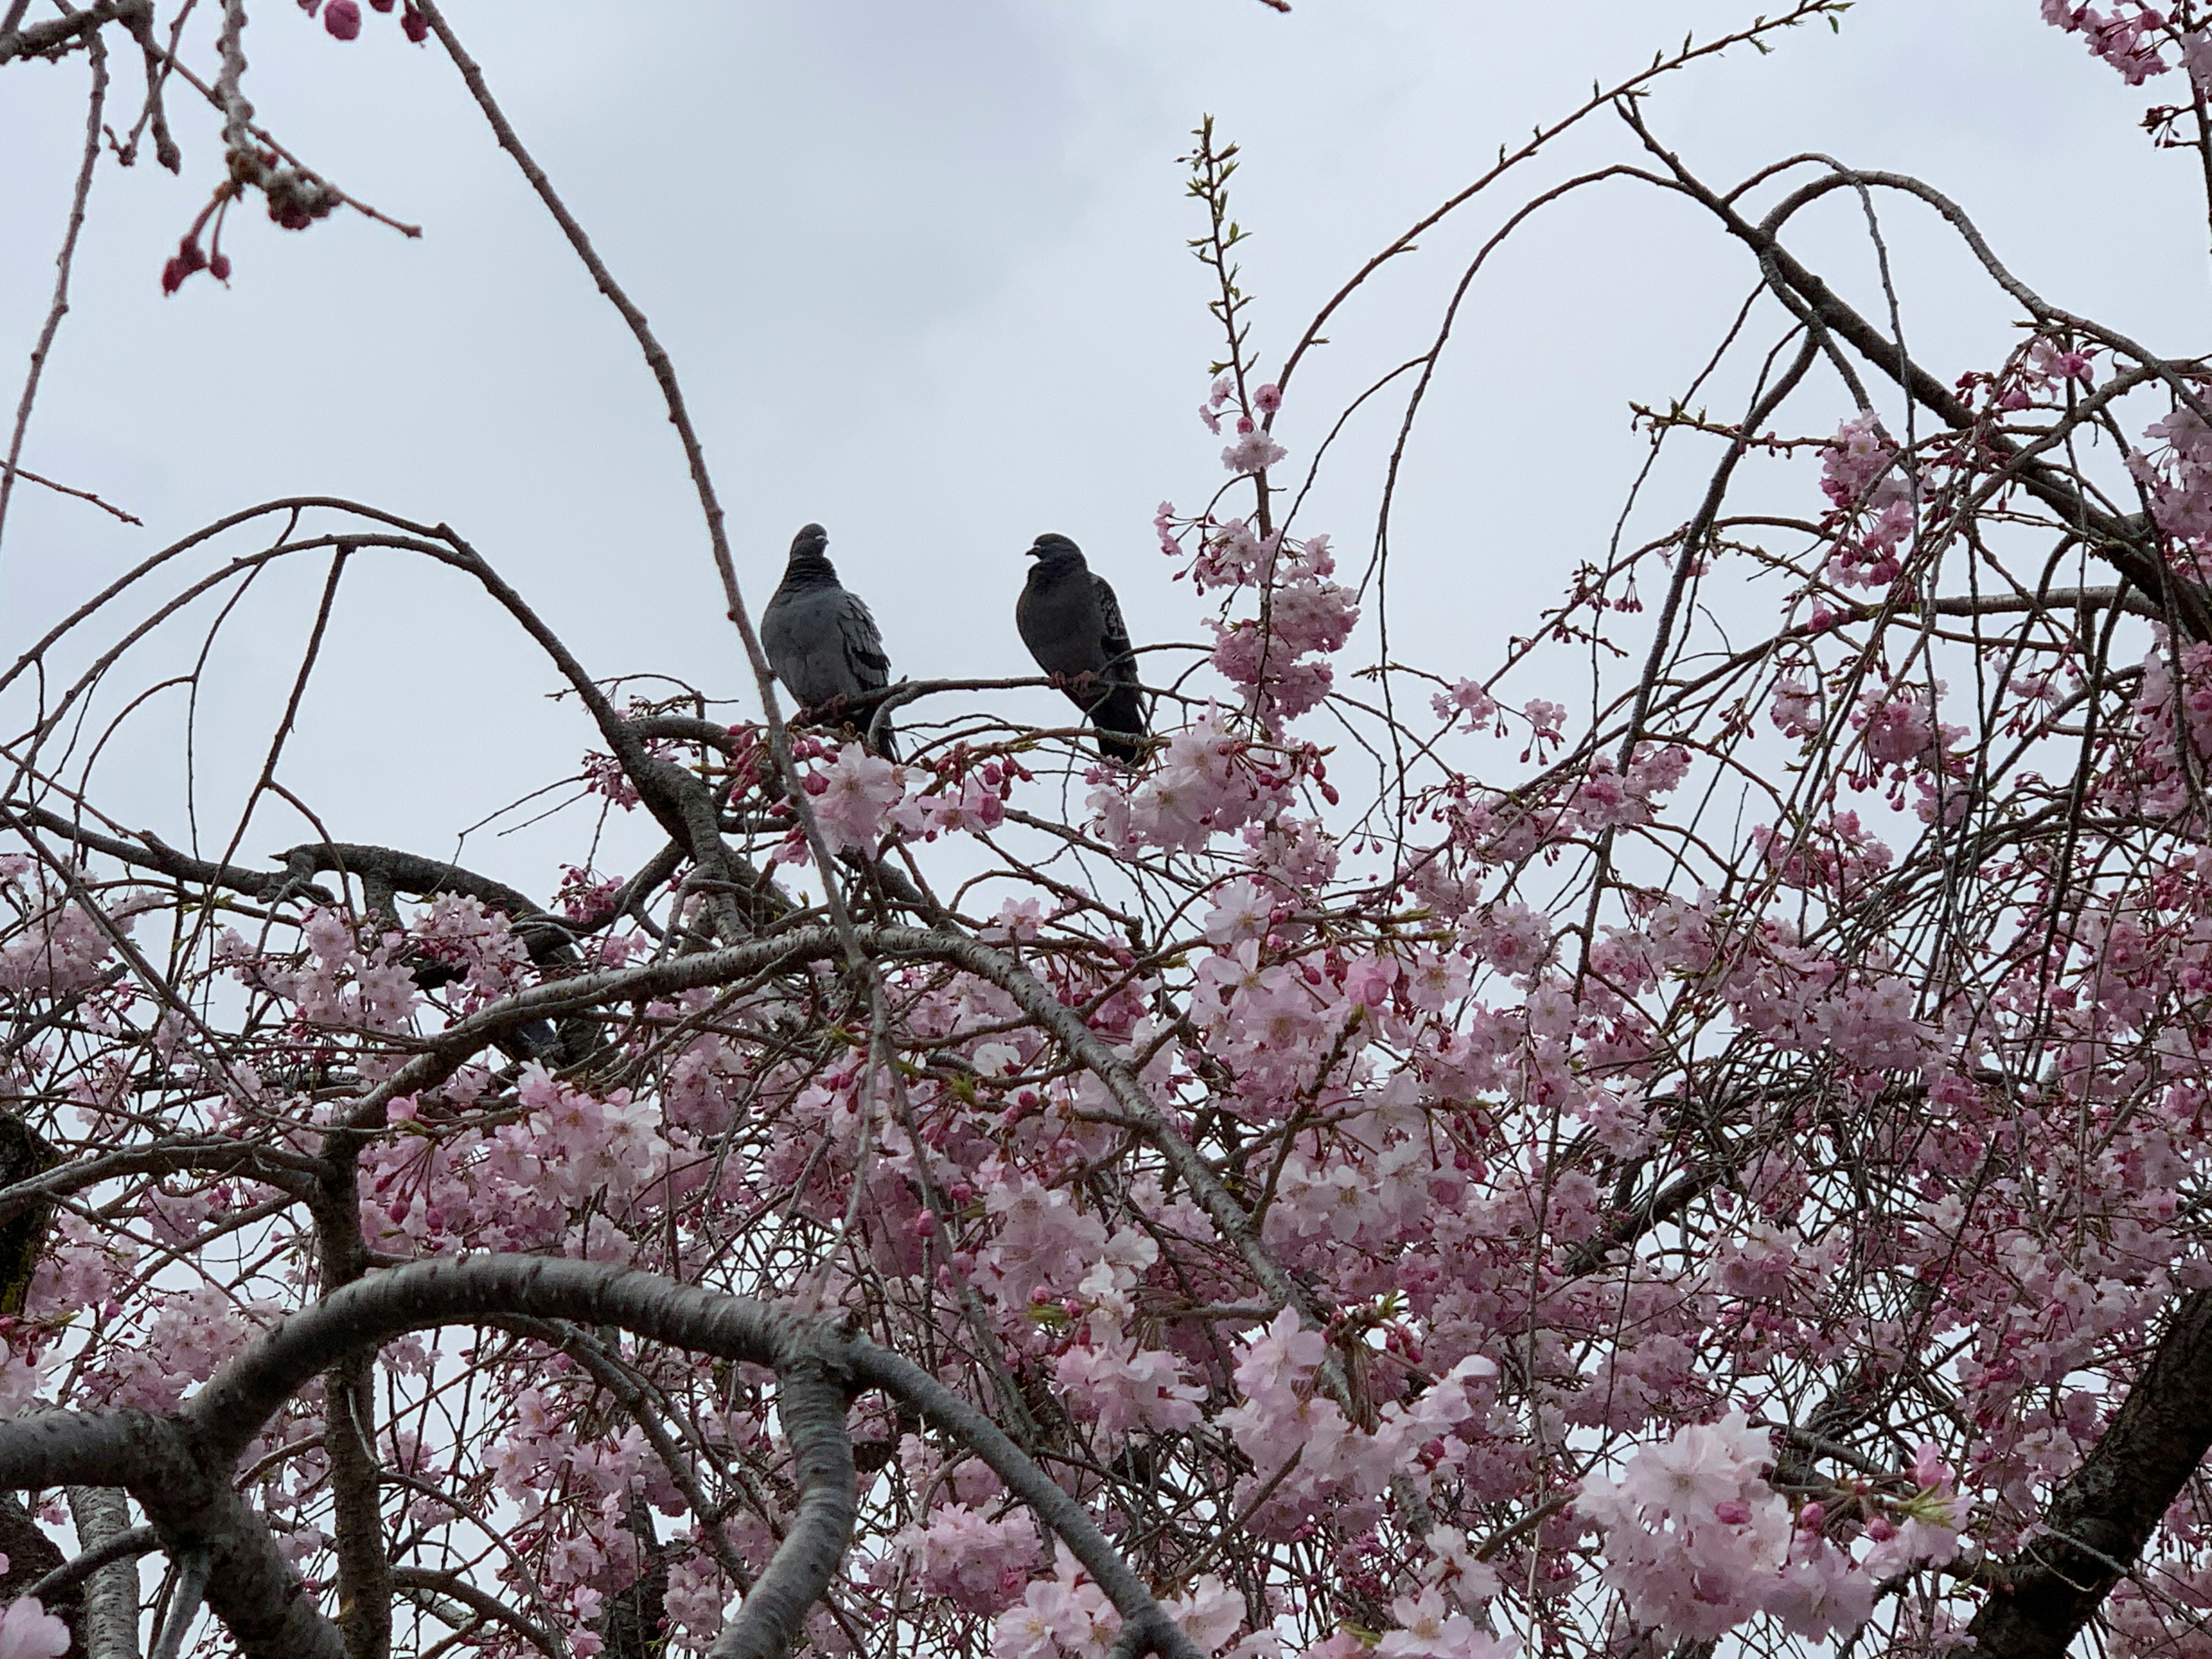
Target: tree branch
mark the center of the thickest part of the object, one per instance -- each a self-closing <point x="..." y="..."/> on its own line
<point x="41" y="38"/>
<point x="2100" y="1515"/>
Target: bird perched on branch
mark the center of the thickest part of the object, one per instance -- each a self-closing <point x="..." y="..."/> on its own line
<point x="1072" y="623"/>
<point x="821" y="640"/>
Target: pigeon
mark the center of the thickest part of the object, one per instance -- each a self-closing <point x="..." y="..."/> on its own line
<point x="820" y="640"/>
<point x="1072" y="623"/>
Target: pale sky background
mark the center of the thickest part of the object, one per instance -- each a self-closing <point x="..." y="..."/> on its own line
<point x="921" y="268"/>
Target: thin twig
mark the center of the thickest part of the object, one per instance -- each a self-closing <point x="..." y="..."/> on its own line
<point x="97" y="50"/>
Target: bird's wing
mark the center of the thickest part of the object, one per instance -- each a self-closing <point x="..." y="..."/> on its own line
<point x="1113" y="632"/>
<point x="863" y="642"/>
<point x="776" y="634"/>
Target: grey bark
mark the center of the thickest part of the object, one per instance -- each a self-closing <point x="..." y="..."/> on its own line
<point x="109" y="1629"/>
<point x="46" y="37"/>
<point x="2102" y="1515"/>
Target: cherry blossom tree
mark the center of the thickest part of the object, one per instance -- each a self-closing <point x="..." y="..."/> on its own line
<point x="1411" y="1165"/>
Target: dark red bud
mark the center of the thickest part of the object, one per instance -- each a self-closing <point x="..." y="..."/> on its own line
<point x="343" y="18"/>
<point x="218" y="267"/>
<point x="380" y="5"/>
<point x="414" y="26"/>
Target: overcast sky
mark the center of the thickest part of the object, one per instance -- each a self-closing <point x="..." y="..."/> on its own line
<point x="922" y="270"/>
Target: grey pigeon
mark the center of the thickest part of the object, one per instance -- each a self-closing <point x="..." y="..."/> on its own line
<point x="1072" y="623"/>
<point x="820" y="640"/>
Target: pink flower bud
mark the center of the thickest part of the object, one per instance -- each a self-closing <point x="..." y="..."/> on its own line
<point x="342" y="18"/>
<point x="1732" y="1513"/>
<point x="1812" y="1517"/>
<point x="189" y="258"/>
<point x="1880" y="1531"/>
<point x="816" y="784"/>
<point x="924" y="1224"/>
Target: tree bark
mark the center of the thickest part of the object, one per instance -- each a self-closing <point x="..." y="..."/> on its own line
<point x="2100" y="1516"/>
<point x="109" y="1627"/>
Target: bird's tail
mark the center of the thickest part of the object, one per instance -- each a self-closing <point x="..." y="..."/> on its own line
<point x="1119" y="720"/>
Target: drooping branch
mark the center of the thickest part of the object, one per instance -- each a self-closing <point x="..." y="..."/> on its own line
<point x="64" y="263"/>
<point x="450" y="1048"/>
<point x="818" y="1368"/>
<point x="272" y="1166"/>
<point x="2130" y="545"/>
<point x="1147" y="1626"/>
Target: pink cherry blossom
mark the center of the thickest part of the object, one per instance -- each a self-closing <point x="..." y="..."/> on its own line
<point x="27" y="1631"/>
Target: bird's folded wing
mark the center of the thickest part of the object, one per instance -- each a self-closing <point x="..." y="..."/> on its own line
<point x="1114" y="633"/>
<point x="864" y="645"/>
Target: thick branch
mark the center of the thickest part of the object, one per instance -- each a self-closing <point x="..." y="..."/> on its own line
<point x="111" y="1545"/>
<point x="358" y="1513"/>
<point x="40" y="38"/>
<point x="810" y="1401"/>
<point x="272" y="1166"/>
<point x="547" y="937"/>
<point x="158" y="855"/>
<point x="187" y="1496"/>
<point x="2101" y="1514"/>
<point x="818" y="1369"/>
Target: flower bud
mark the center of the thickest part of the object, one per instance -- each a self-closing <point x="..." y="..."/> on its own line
<point x="342" y="18"/>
